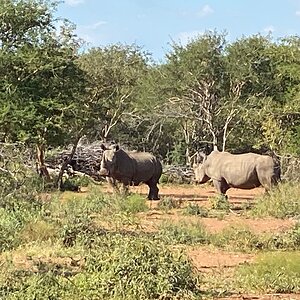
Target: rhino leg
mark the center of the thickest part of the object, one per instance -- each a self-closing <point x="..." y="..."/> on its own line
<point x="153" y="191"/>
<point x="221" y="186"/>
<point x="265" y="179"/>
<point x="113" y="183"/>
<point x="266" y="183"/>
<point x="124" y="189"/>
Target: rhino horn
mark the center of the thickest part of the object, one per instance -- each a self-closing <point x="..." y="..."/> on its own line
<point x="201" y="156"/>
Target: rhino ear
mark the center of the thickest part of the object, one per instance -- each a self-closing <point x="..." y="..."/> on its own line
<point x="115" y="148"/>
<point x="201" y="157"/>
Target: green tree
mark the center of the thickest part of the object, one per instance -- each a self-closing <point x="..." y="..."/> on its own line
<point x="113" y="74"/>
<point x="269" y="73"/>
<point x="41" y="84"/>
<point x="194" y="85"/>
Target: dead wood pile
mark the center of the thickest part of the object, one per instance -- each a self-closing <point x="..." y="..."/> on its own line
<point x="87" y="161"/>
<point x="178" y="174"/>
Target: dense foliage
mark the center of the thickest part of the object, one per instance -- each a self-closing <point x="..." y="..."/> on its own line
<point x="242" y="95"/>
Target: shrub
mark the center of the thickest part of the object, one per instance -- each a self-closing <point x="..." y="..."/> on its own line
<point x="219" y="202"/>
<point x="195" y="210"/>
<point x="128" y="268"/>
<point x="289" y="240"/>
<point x="9" y="228"/>
<point x="168" y="203"/>
<point x="116" y="267"/>
<point x="133" y="203"/>
<point x="38" y="230"/>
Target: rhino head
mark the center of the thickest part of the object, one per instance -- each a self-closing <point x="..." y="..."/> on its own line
<point x="199" y="168"/>
<point x="200" y="174"/>
<point x="109" y="160"/>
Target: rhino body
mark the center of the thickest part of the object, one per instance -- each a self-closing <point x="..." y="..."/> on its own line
<point x="131" y="168"/>
<point x="243" y="171"/>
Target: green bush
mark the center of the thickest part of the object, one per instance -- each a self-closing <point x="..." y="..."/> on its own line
<point x="289" y="240"/>
<point x="219" y="202"/>
<point x="133" y="203"/>
<point x="115" y="267"/>
<point x="28" y="285"/>
<point x="272" y="273"/>
<point x="168" y="203"/>
<point x="239" y="238"/>
<point x="9" y="228"/>
<point x="135" y="269"/>
<point x="13" y="219"/>
<point x="195" y="210"/>
<point x="281" y="202"/>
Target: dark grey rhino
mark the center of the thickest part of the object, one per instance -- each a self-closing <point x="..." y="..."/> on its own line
<point x="131" y="168"/>
<point x="243" y="171"/>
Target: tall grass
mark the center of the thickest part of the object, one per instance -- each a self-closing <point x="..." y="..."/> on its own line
<point x="277" y="272"/>
<point x="281" y="202"/>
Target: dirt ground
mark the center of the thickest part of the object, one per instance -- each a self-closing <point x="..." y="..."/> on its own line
<point x="185" y="194"/>
<point x="206" y="259"/>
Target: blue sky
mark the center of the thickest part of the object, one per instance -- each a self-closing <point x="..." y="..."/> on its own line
<point x="154" y="24"/>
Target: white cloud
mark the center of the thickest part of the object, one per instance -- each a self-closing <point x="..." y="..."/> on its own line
<point x="95" y="25"/>
<point x="74" y="2"/>
<point x="91" y="33"/>
<point x="205" y="10"/>
<point x="269" y="29"/>
<point x="188" y="36"/>
<point x="298" y="13"/>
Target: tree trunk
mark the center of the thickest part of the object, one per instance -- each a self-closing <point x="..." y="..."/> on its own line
<point x="58" y="181"/>
<point x="40" y="162"/>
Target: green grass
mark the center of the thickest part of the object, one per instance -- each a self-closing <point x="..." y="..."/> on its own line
<point x="277" y="272"/>
<point x="282" y="202"/>
<point x="114" y="267"/>
<point x="193" y="209"/>
<point x="237" y="238"/>
<point x="183" y="233"/>
<point x="133" y="204"/>
<point x="167" y="204"/>
<point x="219" y="202"/>
<point x="78" y="246"/>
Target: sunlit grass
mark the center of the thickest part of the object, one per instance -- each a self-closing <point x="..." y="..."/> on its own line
<point x="277" y="272"/>
<point x="282" y="202"/>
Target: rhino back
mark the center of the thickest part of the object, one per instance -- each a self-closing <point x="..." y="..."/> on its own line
<point x="147" y="166"/>
<point x="239" y="170"/>
<point x="137" y="166"/>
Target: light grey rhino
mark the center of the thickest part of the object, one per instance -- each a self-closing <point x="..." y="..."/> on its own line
<point x="244" y="171"/>
<point x="131" y="168"/>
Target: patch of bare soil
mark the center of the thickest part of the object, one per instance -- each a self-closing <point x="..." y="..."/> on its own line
<point x="184" y="194"/>
<point x="206" y="259"/>
<point x="200" y="193"/>
<point x="150" y="221"/>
